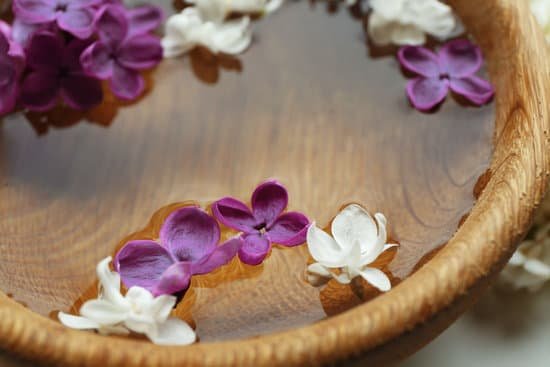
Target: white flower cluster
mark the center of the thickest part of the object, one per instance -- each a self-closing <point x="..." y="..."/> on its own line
<point x="138" y="311"/>
<point x="206" y="24"/>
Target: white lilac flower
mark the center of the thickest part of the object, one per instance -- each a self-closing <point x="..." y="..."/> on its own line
<point x="219" y="10"/>
<point x="358" y="241"/>
<point x="407" y="22"/>
<point x="192" y="28"/>
<point x="541" y="10"/>
<point x="138" y="311"/>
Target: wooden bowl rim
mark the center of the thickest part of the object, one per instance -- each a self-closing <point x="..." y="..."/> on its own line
<point x="480" y="247"/>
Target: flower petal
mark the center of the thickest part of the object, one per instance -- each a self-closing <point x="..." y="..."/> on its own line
<point x="78" y="22"/>
<point x="426" y="93"/>
<point x="377" y="278"/>
<point x="21" y="31"/>
<point x="254" y="249"/>
<point x="354" y="225"/>
<point x="8" y="97"/>
<point x="45" y="51"/>
<point x="162" y="306"/>
<point x="34" y="11"/>
<point x="104" y="312"/>
<point x="175" y="279"/>
<point x="222" y="255"/>
<point x="39" y="91"/>
<point x="142" y="263"/>
<point x="96" y="60"/>
<point x="234" y="214"/>
<point x="173" y="332"/>
<point x="126" y="84"/>
<point x="460" y="58"/>
<point x="81" y="92"/>
<point x="190" y="234"/>
<point x="140" y="52"/>
<point x="109" y="283"/>
<point x="473" y="88"/>
<point x="231" y="37"/>
<point x="419" y="60"/>
<point x="290" y="229"/>
<point x="325" y="249"/>
<point x="268" y="202"/>
<point x="318" y="275"/>
<point x="144" y="19"/>
<point x="112" y="25"/>
<point x="77" y="322"/>
<point x="369" y="254"/>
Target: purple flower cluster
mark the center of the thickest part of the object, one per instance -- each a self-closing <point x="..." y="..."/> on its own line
<point x="63" y="49"/>
<point x="189" y="239"/>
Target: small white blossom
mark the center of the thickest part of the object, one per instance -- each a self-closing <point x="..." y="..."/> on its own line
<point x="406" y="22"/>
<point x="219" y="10"/>
<point x="137" y="311"/>
<point x="192" y="28"/>
<point x="541" y="10"/>
<point x="358" y="241"/>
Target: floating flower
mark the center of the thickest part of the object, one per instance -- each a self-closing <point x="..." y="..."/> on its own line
<point x="264" y="224"/>
<point x="541" y="10"/>
<point x="122" y="51"/>
<point x="137" y="311"/>
<point x="453" y="67"/>
<point x="12" y="63"/>
<point x="406" y="22"/>
<point x="73" y="16"/>
<point x="191" y="28"/>
<point x="357" y="242"/>
<point x="56" y="71"/>
<point x="188" y="245"/>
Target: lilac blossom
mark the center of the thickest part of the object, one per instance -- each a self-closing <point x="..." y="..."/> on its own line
<point x="188" y="245"/>
<point x="73" y="16"/>
<point x="12" y="64"/>
<point x="123" y="49"/>
<point x="55" y="71"/>
<point x="453" y="67"/>
<point x="265" y="224"/>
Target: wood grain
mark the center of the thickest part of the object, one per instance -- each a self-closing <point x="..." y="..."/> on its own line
<point x="307" y="105"/>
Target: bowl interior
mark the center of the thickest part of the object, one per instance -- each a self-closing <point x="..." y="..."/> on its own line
<point x="307" y="104"/>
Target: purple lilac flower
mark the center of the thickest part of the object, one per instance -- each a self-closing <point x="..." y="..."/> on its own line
<point x="12" y="64"/>
<point x="265" y="223"/>
<point x="123" y="49"/>
<point x="73" y="16"/>
<point x="188" y="245"/>
<point x="55" y="71"/>
<point x="453" y="67"/>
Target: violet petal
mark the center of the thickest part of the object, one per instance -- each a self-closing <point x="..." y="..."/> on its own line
<point x="290" y="229"/>
<point x="144" y="19"/>
<point x="175" y="279"/>
<point x="419" y="60"/>
<point x="140" y="52"/>
<point x="8" y="97"/>
<point x="45" y="51"/>
<point x="21" y="31"/>
<point x="473" y="88"/>
<point x="78" y="4"/>
<point x="126" y="84"/>
<point x="142" y="263"/>
<point x="78" y="22"/>
<point x="268" y="202"/>
<point x="222" y="255"/>
<point x="254" y="249"/>
<point x="72" y="52"/>
<point x="81" y="92"/>
<point x="39" y="91"/>
<point x="426" y="93"/>
<point x="234" y="214"/>
<point x="34" y="11"/>
<point x="460" y="58"/>
<point x="190" y="234"/>
<point x="96" y="60"/>
<point x="112" y="25"/>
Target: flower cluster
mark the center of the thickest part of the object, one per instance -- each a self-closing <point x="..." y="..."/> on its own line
<point x="208" y="24"/>
<point x="452" y="68"/>
<point x="62" y="50"/>
<point x="189" y="239"/>
<point x="357" y="243"/>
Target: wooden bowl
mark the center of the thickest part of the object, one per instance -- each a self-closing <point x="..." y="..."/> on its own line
<point x="305" y="105"/>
